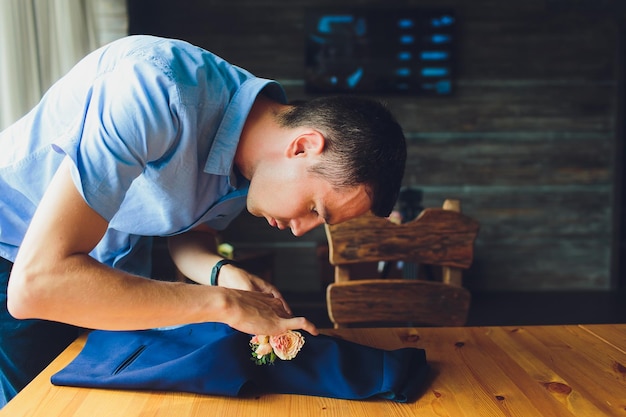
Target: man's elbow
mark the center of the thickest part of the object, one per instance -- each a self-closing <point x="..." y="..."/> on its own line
<point x="23" y="301"/>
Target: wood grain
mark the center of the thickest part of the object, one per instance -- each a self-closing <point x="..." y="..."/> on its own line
<point x="556" y="371"/>
<point x="397" y="301"/>
<point x="437" y="236"/>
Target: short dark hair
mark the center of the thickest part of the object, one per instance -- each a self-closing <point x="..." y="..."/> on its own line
<point x="364" y="145"/>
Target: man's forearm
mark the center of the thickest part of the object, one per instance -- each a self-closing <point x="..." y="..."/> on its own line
<point x="194" y="253"/>
<point x="85" y="293"/>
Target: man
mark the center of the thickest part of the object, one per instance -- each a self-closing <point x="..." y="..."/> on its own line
<point x="156" y="137"/>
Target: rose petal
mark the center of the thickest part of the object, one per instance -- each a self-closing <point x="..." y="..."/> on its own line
<point x="263" y="349"/>
<point x="287" y="345"/>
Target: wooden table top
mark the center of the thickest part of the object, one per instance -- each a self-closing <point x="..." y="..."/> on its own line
<point x="476" y="371"/>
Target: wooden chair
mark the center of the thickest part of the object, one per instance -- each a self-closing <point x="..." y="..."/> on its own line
<point x="441" y="237"/>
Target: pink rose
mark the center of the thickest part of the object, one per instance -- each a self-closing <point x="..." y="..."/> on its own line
<point x="259" y="339"/>
<point x="287" y="345"/>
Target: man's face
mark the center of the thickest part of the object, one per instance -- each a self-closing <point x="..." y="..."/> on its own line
<point x="289" y="196"/>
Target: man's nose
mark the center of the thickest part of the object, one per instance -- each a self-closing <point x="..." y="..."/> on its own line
<point x="302" y="226"/>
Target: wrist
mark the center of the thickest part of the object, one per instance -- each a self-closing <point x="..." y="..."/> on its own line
<point x="215" y="272"/>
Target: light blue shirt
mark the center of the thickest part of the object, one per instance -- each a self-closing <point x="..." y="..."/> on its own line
<point x="151" y="126"/>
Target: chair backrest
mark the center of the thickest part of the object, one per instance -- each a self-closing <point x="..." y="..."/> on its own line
<point x="439" y="237"/>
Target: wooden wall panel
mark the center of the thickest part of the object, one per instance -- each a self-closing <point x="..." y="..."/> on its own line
<point x="536" y="237"/>
<point x="519" y="106"/>
<point x="526" y="141"/>
<point x="509" y="159"/>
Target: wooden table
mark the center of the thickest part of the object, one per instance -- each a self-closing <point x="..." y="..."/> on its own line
<point x="530" y="371"/>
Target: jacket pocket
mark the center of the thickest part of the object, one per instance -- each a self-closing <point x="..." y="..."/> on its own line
<point x="129" y="360"/>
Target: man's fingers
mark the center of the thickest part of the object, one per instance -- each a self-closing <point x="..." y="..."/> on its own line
<point x="300" y="323"/>
<point x="284" y="303"/>
<point x="276" y="294"/>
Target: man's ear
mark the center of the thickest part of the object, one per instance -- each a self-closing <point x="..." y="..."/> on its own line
<point x="307" y="142"/>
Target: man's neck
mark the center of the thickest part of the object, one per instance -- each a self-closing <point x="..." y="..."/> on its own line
<point x="261" y="135"/>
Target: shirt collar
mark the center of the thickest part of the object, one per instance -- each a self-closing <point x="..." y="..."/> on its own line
<point x="222" y="154"/>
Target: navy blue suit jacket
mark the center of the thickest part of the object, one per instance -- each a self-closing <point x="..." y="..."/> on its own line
<point x="212" y="358"/>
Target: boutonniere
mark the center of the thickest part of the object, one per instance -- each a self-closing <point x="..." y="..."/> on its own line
<point x="265" y="349"/>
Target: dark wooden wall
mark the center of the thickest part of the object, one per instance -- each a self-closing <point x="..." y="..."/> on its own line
<point x="527" y="142"/>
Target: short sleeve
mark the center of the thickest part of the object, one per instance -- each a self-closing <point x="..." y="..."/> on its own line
<point x="131" y="120"/>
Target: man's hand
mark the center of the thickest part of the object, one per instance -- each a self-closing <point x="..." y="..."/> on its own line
<point x="236" y="278"/>
<point x="253" y="291"/>
<point x="255" y="312"/>
<point x="251" y="304"/>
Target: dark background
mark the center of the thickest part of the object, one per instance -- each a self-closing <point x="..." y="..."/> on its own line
<point x="531" y="141"/>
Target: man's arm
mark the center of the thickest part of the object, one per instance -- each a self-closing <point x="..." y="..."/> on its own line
<point x="195" y="254"/>
<point x="54" y="278"/>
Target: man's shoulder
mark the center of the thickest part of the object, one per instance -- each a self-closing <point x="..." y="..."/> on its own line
<point x="179" y="60"/>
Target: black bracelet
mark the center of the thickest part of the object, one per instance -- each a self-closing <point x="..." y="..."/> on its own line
<point x="216" y="270"/>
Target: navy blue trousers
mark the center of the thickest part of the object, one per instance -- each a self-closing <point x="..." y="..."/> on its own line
<point x="26" y="346"/>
